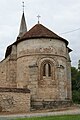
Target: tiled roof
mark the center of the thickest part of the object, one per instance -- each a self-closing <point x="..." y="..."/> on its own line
<point x="40" y="31"/>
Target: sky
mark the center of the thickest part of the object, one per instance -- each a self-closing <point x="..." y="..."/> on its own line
<point x="60" y="16"/>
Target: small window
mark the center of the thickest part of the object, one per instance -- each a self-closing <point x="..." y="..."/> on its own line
<point x="44" y="70"/>
<point x="47" y="70"/>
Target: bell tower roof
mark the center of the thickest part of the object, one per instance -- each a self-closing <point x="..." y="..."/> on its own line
<point x="23" y="26"/>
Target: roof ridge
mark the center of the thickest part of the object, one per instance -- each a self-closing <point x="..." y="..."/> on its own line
<point x="40" y="31"/>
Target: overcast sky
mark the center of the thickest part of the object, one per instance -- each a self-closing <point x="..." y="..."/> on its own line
<point x="60" y="16"/>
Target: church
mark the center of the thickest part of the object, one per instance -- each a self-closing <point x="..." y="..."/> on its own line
<point x="36" y="71"/>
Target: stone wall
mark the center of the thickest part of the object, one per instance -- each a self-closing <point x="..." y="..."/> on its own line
<point x="30" y="55"/>
<point x="11" y="73"/>
<point x="69" y="84"/>
<point x="14" y="100"/>
<point x="50" y="104"/>
<point x="3" y="71"/>
<point x="23" y="68"/>
<point x="8" y="70"/>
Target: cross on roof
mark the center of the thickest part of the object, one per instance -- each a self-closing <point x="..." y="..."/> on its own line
<point x="38" y="18"/>
<point x="23" y="5"/>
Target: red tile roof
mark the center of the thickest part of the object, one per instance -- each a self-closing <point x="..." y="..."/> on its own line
<point x="40" y="31"/>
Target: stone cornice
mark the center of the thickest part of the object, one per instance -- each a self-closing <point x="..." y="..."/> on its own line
<point x="16" y="90"/>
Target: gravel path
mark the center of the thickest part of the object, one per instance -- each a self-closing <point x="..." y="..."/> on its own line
<point x="66" y="112"/>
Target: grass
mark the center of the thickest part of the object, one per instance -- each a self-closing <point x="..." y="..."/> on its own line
<point x="64" y="117"/>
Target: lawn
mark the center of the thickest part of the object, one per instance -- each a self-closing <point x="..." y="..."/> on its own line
<point x="65" y="117"/>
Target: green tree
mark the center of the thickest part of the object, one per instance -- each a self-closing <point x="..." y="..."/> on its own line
<point x="79" y="65"/>
<point x="75" y="75"/>
<point x="74" y="72"/>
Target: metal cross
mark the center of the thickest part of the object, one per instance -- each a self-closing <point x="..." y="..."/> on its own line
<point x="23" y="5"/>
<point x="38" y="18"/>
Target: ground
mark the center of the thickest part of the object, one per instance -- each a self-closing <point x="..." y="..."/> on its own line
<point x="74" y="110"/>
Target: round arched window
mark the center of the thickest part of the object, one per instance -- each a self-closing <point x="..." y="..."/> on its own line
<point x="46" y="70"/>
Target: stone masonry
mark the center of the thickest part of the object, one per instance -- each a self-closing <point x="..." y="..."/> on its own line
<point x="36" y="71"/>
<point x="14" y="100"/>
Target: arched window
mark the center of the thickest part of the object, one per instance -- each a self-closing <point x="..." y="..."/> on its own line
<point x="47" y="76"/>
<point x="47" y="70"/>
<point x="44" y="70"/>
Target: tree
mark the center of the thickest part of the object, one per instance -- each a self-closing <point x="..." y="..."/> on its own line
<point x="74" y="72"/>
<point x="79" y="65"/>
<point x="75" y="76"/>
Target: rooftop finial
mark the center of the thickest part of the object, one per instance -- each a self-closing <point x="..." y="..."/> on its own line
<point x="38" y="18"/>
<point x="23" y="5"/>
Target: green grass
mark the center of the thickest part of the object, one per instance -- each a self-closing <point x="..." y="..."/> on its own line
<point x="65" y="117"/>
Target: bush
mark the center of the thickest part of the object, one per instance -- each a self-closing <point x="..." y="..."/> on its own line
<point x="76" y="96"/>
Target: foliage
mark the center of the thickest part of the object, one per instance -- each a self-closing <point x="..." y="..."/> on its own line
<point x="65" y="117"/>
<point x="75" y="75"/>
<point x="76" y="96"/>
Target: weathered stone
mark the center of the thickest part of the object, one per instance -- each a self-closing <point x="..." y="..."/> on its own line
<point x="14" y="100"/>
<point x="36" y="72"/>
